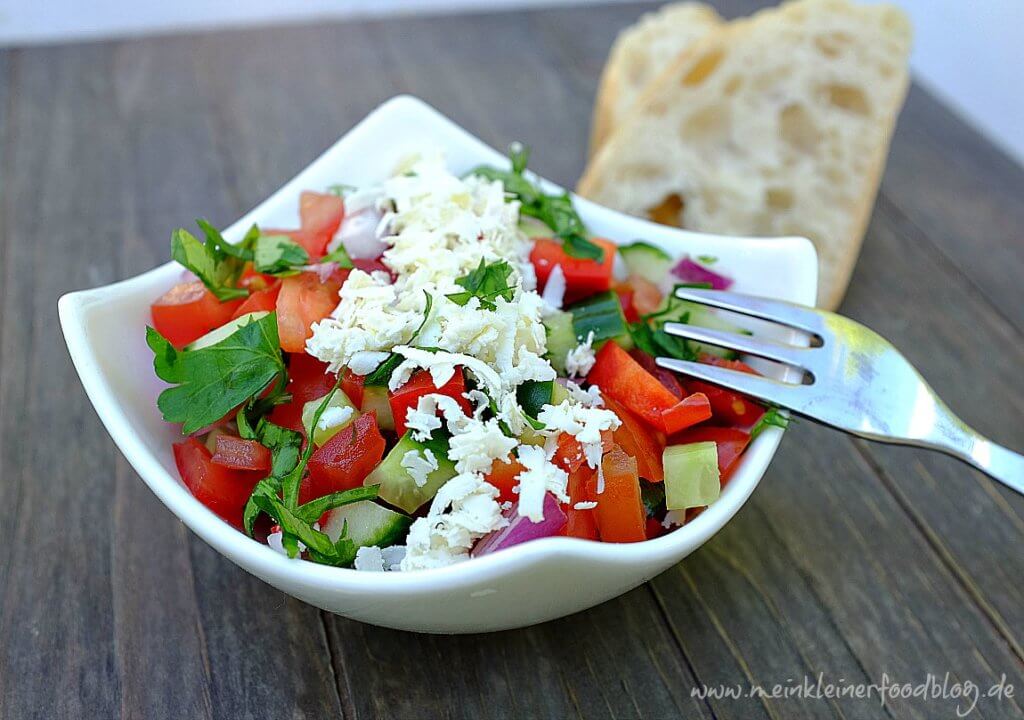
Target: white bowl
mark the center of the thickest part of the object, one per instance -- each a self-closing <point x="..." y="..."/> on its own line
<point x="527" y="584"/>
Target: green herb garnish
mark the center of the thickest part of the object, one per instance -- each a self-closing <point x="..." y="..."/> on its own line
<point x="555" y="211"/>
<point x="215" y="261"/>
<point x="212" y="381"/>
<point x="771" y="417"/>
<point x="278" y="255"/>
<point x="486" y="282"/>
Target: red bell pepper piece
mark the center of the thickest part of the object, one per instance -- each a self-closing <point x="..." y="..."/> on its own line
<point x="689" y="411"/>
<point x="665" y="377"/>
<point x="582" y="522"/>
<point x="620" y="511"/>
<point x="644" y="444"/>
<point x="505" y="477"/>
<point x="344" y="461"/>
<point x="583" y="276"/>
<point x="621" y="378"/>
<point x="420" y="384"/>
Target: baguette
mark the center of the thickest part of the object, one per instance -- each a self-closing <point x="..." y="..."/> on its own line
<point x="640" y="53"/>
<point x="778" y="124"/>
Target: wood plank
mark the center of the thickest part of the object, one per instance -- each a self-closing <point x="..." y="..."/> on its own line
<point x="251" y="650"/>
<point x="963" y="194"/>
<point x="56" y="618"/>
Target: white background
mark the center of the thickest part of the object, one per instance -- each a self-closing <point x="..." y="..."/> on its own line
<point x="970" y="52"/>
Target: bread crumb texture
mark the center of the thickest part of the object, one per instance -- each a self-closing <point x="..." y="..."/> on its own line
<point x="774" y="125"/>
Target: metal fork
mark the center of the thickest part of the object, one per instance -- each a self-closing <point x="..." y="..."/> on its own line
<point x="854" y="380"/>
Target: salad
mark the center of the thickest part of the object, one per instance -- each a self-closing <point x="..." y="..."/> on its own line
<point x="439" y="367"/>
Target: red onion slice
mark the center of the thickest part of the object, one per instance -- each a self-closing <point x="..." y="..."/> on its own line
<point x="358" y="233"/>
<point x="522" y="529"/>
<point x="692" y="272"/>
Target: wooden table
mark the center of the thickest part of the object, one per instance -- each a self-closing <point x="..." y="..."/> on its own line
<point x="856" y="561"/>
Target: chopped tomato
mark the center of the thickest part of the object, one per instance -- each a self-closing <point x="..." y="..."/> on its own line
<point x="689" y="411"/>
<point x="737" y="365"/>
<point x="321" y="212"/>
<point x="665" y="377"/>
<point x="188" y="311"/>
<point x="583" y="276"/>
<point x="238" y="454"/>
<point x="730" y="443"/>
<point x="505" y="477"/>
<point x="620" y="510"/>
<point x="646" y="295"/>
<point x="629" y="311"/>
<point x="623" y="379"/>
<point x="222" y="490"/>
<point x="254" y="281"/>
<point x="308" y="379"/>
<point x="420" y="384"/>
<point x="344" y="461"/>
<point x="259" y="301"/>
<point x="314" y="242"/>
<point x="352" y="386"/>
<point x="644" y="444"/>
<point x="302" y="301"/>
<point x="582" y="522"/>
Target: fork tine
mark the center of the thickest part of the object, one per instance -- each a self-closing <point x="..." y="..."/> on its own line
<point x="762" y="388"/>
<point x="779" y="311"/>
<point x="789" y="354"/>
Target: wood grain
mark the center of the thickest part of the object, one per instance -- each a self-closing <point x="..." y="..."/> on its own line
<point x="851" y="560"/>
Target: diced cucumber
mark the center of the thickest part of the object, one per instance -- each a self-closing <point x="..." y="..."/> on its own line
<point x="649" y="262"/>
<point x="368" y="524"/>
<point x="340" y="411"/>
<point x="224" y="331"/>
<point x="397" y="486"/>
<point x="691" y="475"/>
<point x="602" y="315"/>
<point x="534" y="228"/>
<point x="533" y="395"/>
<point x="558" y="394"/>
<point x="375" y="397"/>
<point x="561" y="338"/>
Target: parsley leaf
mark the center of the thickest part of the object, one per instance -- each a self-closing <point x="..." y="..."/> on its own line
<point x="772" y="416"/>
<point x="555" y="211"/>
<point x="278" y="255"/>
<point x="341" y="189"/>
<point x="211" y="381"/>
<point x="338" y="255"/>
<point x="284" y="444"/>
<point x="707" y="259"/>
<point x="486" y="282"/>
<point x="383" y="373"/>
<point x="215" y="261"/>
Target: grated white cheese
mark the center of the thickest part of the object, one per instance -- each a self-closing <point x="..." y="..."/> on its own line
<point x="333" y="416"/>
<point x="585" y="505"/>
<point x="463" y="511"/>
<point x="540" y="477"/>
<point x="419" y="465"/>
<point x="580" y="360"/>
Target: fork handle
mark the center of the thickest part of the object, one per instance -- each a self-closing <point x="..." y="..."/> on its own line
<point x="999" y="463"/>
<point x="953" y="437"/>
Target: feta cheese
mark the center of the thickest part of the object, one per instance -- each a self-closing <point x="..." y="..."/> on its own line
<point x="585" y="505"/>
<point x="369" y="559"/>
<point x="554" y="290"/>
<point x="540" y="476"/>
<point x="419" y="465"/>
<point x="334" y="416"/>
<point x="463" y="511"/>
<point x="580" y="360"/>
